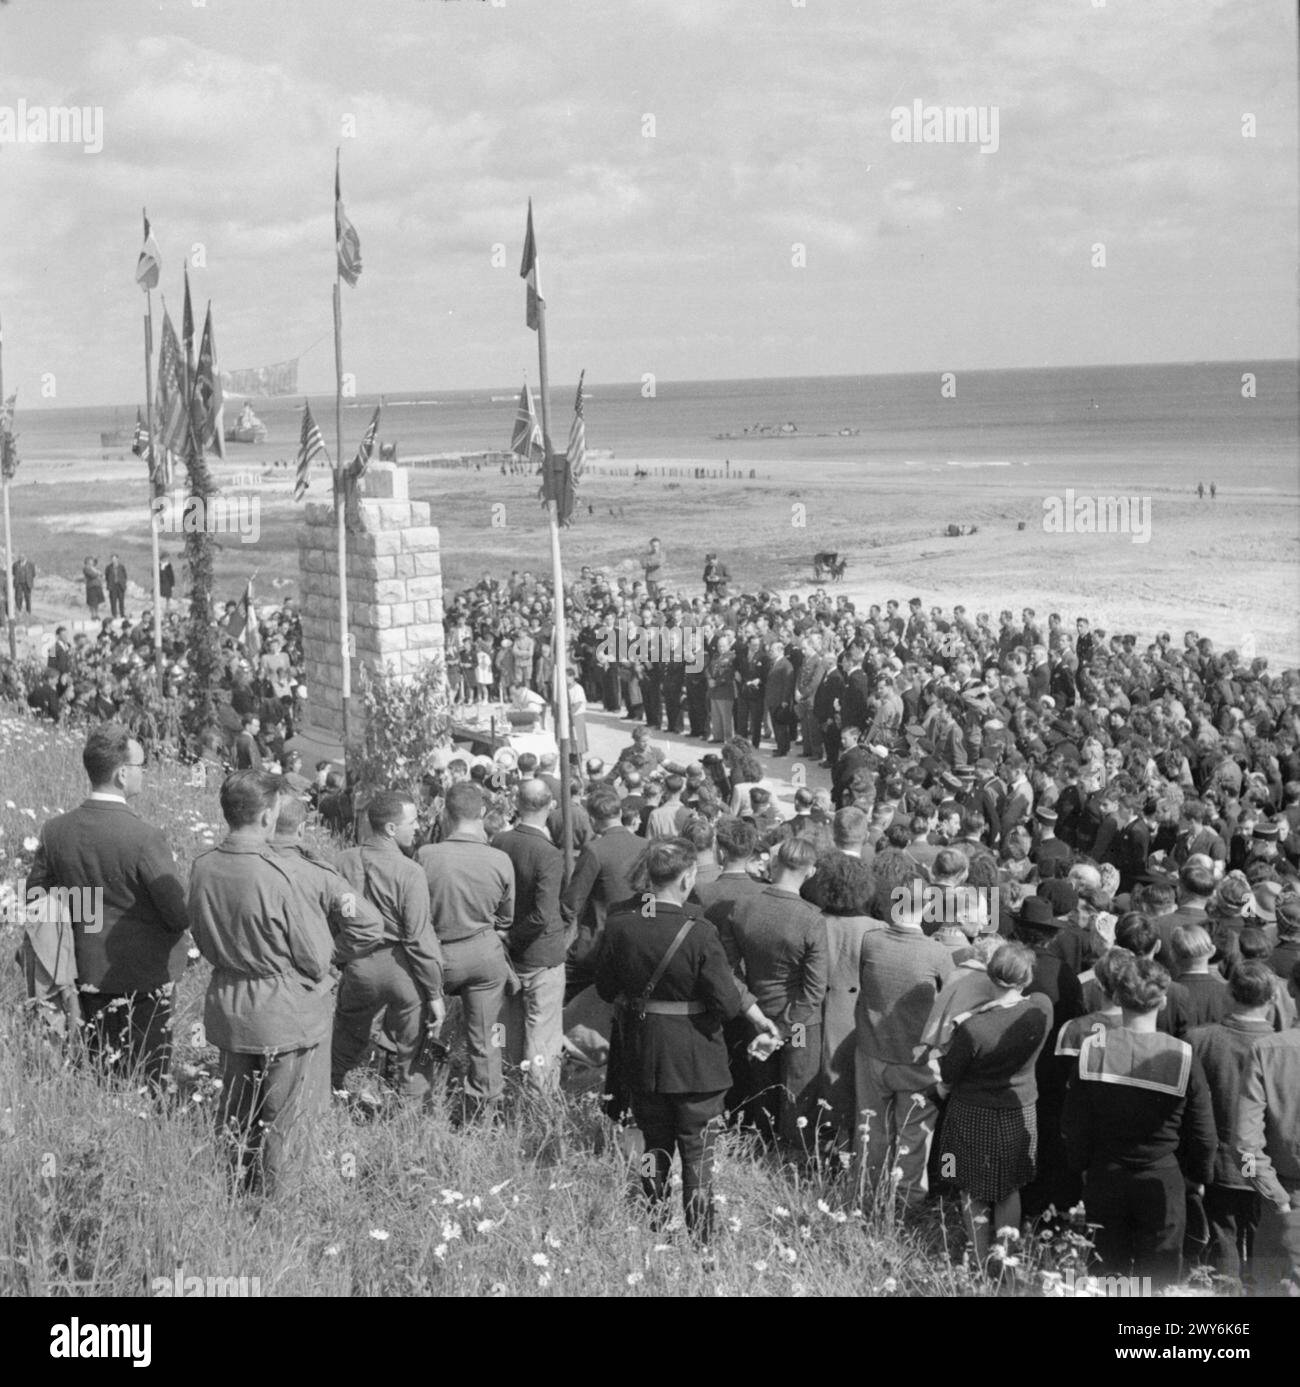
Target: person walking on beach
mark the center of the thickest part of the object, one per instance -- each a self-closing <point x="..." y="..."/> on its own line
<point x="1214" y="491"/>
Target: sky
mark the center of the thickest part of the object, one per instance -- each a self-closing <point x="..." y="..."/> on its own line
<point x="719" y="186"/>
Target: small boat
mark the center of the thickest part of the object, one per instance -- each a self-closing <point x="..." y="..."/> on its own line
<point x="248" y="428"/>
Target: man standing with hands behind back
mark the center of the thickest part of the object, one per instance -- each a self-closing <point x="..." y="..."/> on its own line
<point x="131" y="951"/>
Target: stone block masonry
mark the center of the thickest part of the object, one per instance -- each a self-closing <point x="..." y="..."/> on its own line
<point x="394" y="578"/>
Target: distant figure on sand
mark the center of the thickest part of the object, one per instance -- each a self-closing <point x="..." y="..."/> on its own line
<point x="1200" y="491"/>
<point x="1214" y="491"/>
<point x="94" y="586"/>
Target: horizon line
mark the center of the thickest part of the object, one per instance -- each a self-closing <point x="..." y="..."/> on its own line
<point x="47" y="407"/>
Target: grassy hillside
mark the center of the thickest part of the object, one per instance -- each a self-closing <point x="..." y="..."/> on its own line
<point x="102" y="1190"/>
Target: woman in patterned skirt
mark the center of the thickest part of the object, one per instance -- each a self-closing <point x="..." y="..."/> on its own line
<point x="990" y="1138"/>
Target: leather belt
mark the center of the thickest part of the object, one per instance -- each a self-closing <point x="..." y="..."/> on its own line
<point x="674" y="1008"/>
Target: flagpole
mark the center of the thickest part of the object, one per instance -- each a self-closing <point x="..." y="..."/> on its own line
<point x="340" y="516"/>
<point x="154" y="473"/>
<point x="557" y="574"/>
<point x="9" y="539"/>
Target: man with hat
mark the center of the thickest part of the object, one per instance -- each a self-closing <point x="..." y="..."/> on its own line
<point x="1049" y="854"/>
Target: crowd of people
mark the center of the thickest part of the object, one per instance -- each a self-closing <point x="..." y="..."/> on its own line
<point x="1037" y="944"/>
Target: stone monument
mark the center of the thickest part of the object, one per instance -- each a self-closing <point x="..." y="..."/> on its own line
<point x="394" y="577"/>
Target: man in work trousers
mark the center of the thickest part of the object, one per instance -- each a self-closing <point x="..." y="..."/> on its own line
<point x="263" y="920"/>
<point x="536" y="942"/>
<point x="472" y="905"/>
<point x="403" y="978"/>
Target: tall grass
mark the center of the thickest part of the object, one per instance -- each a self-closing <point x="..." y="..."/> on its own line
<point x="105" y="1188"/>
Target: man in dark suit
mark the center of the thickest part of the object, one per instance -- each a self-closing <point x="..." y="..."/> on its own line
<point x="669" y="975"/>
<point x="536" y="942"/>
<point x="852" y="759"/>
<point x="248" y="755"/>
<point x="601" y="879"/>
<point x="60" y="656"/>
<point x="166" y="580"/>
<point x="130" y="946"/>
<point x="24" y="579"/>
<point x="115" y="578"/>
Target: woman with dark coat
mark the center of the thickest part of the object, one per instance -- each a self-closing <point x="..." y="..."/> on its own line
<point x="668" y="974"/>
<point x="90" y="571"/>
<point x="990" y="1136"/>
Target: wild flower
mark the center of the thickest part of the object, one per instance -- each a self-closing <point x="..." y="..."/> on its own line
<point x="788" y="1254"/>
<point x="801" y="1122"/>
<point x="634" y="1278"/>
<point x="552" y="1241"/>
<point x="332" y="1250"/>
<point x="781" y="1211"/>
<point x="380" y="1235"/>
<point x="450" y="1230"/>
<point x="496" y="1189"/>
<point x="540" y="1259"/>
<point x="759" y="1267"/>
<point x="452" y="1197"/>
<point x="543" y="1280"/>
<point x="484" y="1225"/>
<point x="889" y="1285"/>
<point x="440" y="1251"/>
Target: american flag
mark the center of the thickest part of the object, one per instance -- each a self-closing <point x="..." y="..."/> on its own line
<point x="346" y="240"/>
<point x="172" y="426"/>
<point x="528" y="272"/>
<point x="578" y="437"/>
<point x="207" y="397"/>
<point x="310" y="444"/>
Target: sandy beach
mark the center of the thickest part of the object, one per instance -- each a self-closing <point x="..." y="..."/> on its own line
<point x="1224" y="567"/>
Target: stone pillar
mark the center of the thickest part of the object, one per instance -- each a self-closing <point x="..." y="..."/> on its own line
<point x="394" y="594"/>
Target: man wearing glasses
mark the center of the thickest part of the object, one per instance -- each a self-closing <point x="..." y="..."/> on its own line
<point x="118" y="878"/>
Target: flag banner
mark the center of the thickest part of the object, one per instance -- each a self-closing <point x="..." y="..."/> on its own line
<point x="577" y="452"/>
<point x="251" y="635"/>
<point x="526" y="440"/>
<point x="528" y="273"/>
<point x="362" y="459"/>
<point x="172" y="424"/>
<point x="8" y="454"/>
<point x="140" y="441"/>
<point x="7" y="413"/>
<point x="346" y="240"/>
<point x="310" y="445"/>
<point x="149" y="265"/>
<point x="279" y="378"/>
<point x="187" y="327"/>
<point x="207" y="397"/>
<point x="557" y="485"/>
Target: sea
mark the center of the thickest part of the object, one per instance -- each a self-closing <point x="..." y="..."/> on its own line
<point x="1205" y="417"/>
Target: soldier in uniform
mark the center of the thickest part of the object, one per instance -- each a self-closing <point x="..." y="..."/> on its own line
<point x="1138" y="1123"/>
<point x="263" y="921"/>
<point x="667" y="970"/>
<point x="402" y="978"/>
